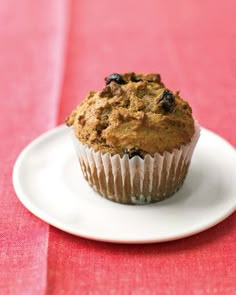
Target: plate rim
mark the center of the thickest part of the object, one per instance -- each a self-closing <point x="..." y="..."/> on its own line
<point x="44" y="216"/>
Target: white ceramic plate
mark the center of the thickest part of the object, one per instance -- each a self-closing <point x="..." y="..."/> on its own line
<point x="49" y="183"/>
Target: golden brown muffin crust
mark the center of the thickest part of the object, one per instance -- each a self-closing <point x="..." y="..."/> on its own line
<point x="137" y="115"/>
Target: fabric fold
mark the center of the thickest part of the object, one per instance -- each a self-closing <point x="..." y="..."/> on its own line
<point x="32" y="53"/>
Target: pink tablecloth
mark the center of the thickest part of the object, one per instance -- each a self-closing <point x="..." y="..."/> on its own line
<point x="51" y="54"/>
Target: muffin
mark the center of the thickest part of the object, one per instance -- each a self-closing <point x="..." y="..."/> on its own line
<point x="134" y="138"/>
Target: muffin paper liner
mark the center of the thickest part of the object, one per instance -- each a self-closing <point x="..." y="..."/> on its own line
<point x="136" y="180"/>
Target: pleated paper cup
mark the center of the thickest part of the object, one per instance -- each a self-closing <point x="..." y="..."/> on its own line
<point x="136" y="180"/>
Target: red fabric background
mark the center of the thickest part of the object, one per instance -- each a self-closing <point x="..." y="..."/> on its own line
<point x="51" y="54"/>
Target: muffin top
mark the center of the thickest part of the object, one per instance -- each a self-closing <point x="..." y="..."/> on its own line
<point x="134" y="114"/>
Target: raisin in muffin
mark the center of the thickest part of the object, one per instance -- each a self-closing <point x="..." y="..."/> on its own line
<point x="134" y="138"/>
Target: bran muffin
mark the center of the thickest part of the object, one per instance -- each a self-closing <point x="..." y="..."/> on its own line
<point x="134" y="138"/>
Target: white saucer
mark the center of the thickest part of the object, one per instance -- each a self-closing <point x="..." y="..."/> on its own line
<point x="49" y="183"/>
